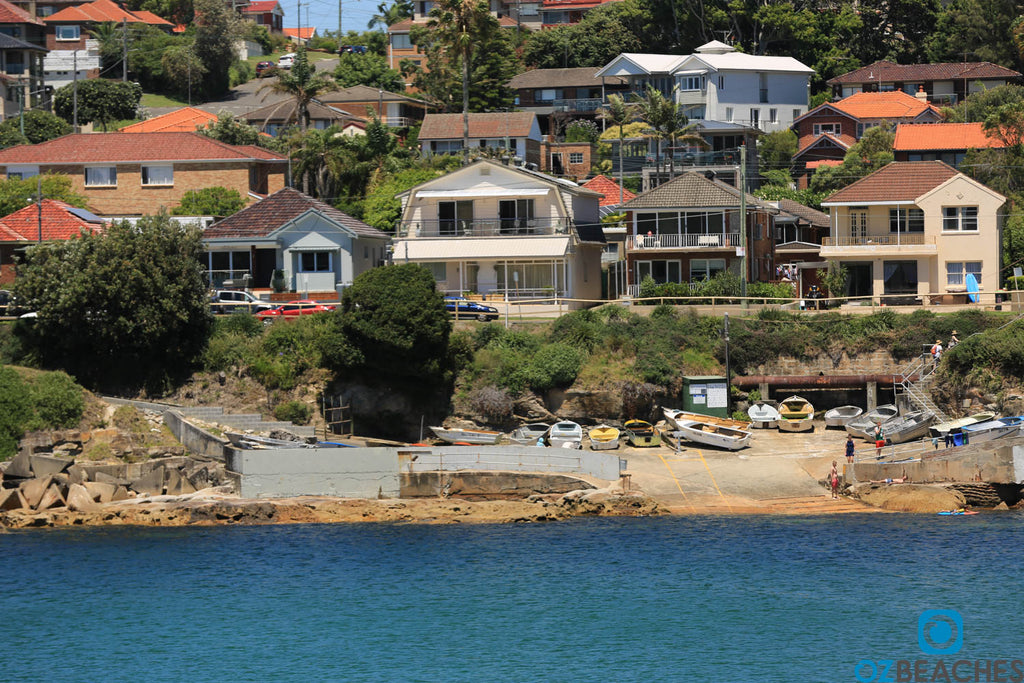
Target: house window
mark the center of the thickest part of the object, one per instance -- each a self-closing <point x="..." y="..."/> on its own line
<point x="516" y="216"/>
<point x="906" y="220"/>
<point x="660" y="271"/>
<point x="691" y="82"/>
<point x="22" y="172"/>
<point x="755" y="118"/>
<point x="721" y="82"/>
<point x="960" y="219"/>
<point x="69" y="32"/>
<point x="315" y="262"/>
<point x="101" y="176"/>
<point x="157" y="175"/>
<point x="705" y="268"/>
<point x="821" y="128"/>
<point x="956" y="272"/>
<point x="454" y="218"/>
<point x="696" y="113"/>
<point x="549" y="94"/>
<point x="401" y="41"/>
<point x="438" y="270"/>
<point x="575" y="157"/>
<point x="728" y="114"/>
<point x="773" y="115"/>
<point x="796" y="114"/>
<point x="863" y="128"/>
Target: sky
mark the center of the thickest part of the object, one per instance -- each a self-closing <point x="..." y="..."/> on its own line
<point x="324" y="14"/>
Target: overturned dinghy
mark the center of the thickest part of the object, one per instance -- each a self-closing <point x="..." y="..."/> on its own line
<point x="863" y="427"/>
<point x="763" y="416"/>
<point x="909" y="427"/>
<point x="838" y="417"/>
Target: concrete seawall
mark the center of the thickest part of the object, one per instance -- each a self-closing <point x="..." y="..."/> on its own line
<point x="997" y="462"/>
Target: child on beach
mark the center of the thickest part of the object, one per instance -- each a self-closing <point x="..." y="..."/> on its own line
<point x="833" y="479"/>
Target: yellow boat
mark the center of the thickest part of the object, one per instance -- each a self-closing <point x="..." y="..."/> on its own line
<point x="641" y="434"/>
<point x="603" y="438"/>
<point x="796" y="414"/>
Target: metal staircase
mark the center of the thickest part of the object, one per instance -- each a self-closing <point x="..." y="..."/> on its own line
<point x="918" y="393"/>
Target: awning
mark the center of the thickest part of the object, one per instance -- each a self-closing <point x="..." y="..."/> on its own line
<point x="483" y="192"/>
<point x="691" y="72"/>
<point x="481" y="248"/>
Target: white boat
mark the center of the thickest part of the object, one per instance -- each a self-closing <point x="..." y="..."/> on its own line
<point x="712" y="434"/>
<point x="863" y="427"/>
<point x="908" y="427"/>
<point x="981" y="432"/>
<point x="838" y="417"/>
<point x="528" y="434"/>
<point x="763" y="416"/>
<point x="796" y="414"/>
<point x="672" y="416"/>
<point x="959" y="423"/>
<point x="477" y="437"/>
<point x="603" y="438"/>
<point x="565" y="434"/>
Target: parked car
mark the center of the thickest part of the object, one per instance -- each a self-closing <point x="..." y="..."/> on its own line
<point x="462" y="308"/>
<point x="354" y="49"/>
<point x="293" y="309"/>
<point x="286" y="61"/>
<point x="6" y="301"/>
<point x="264" y="69"/>
<point x="231" y="300"/>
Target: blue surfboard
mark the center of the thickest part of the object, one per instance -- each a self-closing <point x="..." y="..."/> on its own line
<point x="972" y="288"/>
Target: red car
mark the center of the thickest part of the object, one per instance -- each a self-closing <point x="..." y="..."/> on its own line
<point x="293" y="309"/>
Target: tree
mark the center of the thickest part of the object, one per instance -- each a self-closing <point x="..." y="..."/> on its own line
<point x="17" y="194"/>
<point x="618" y="113"/>
<point x="666" y="123"/>
<point x="391" y="14"/>
<point x="596" y="40"/>
<point x="393" y="326"/>
<point x="217" y="29"/>
<point x="980" y="28"/>
<point x="1007" y="124"/>
<point x="870" y="153"/>
<point x="39" y="125"/>
<point x="121" y="310"/>
<point x="232" y="131"/>
<point x="99" y="101"/>
<point x="367" y="69"/>
<point x="382" y="208"/>
<point x="302" y="83"/>
<point x="209" y="201"/>
<point x="775" y="150"/>
<point x="184" y="72"/>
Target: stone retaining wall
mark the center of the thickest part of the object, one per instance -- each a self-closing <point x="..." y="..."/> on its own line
<point x="875" y="362"/>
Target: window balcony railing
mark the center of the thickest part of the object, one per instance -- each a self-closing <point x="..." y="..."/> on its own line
<point x="903" y="239"/>
<point x="216" y="279"/>
<point x="726" y="240"/>
<point x="398" y="121"/>
<point x="579" y="104"/>
<point x="684" y="159"/>
<point x="483" y="227"/>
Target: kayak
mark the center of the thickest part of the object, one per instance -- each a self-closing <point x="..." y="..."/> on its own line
<point x="958" y="512"/>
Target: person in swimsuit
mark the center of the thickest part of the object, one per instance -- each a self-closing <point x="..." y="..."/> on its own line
<point x="833" y="479"/>
<point x="849" y="449"/>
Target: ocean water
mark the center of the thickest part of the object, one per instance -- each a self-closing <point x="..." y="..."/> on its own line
<point x="747" y="598"/>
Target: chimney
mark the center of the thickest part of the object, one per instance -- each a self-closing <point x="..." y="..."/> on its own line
<point x="921" y="94"/>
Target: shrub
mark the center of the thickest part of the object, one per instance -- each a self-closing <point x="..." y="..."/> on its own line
<point x="295" y="412"/>
<point x="59" y="402"/>
<point x="554" y="365"/>
<point x="492" y="402"/>
<point x="582" y="130"/>
<point x="15" y="411"/>
<point x="241" y="72"/>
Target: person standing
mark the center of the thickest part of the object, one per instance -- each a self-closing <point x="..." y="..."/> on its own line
<point x="953" y="340"/>
<point x="879" y="441"/>
<point x="849" y="449"/>
<point x="833" y="479"/>
<point x="937" y="352"/>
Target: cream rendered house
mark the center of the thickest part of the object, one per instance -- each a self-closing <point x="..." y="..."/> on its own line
<point x="915" y="231"/>
<point x="503" y="231"/>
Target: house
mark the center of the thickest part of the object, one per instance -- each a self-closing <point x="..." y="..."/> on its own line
<point x="393" y="109"/>
<point x="18" y="23"/>
<point x="566" y="93"/>
<point x="946" y="142"/>
<point x="45" y="221"/>
<point x="566" y="12"/>
<point x="717" y="83"/>
<point x="274" y="118"/>
<point x="301" y="35"/>
<point x="504" y="231"/>
<point x="690" y="228"/>
<point x="944" y="84"/>
<point x="613" y="196"/>
<point x="916" y="230"/>
<point x="318" y="248"/>
<point x="517" y="131"/>
<point x="21" y="70"/>
<point x="829" y="130"/>
<point x="126" y="174"/>
<point x="72" y="51"/>
<point x="183" y="120"/>
<point x="266" y="13"/>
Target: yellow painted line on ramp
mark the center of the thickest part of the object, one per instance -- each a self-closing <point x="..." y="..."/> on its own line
<point x="715" y="483"/>
<point x="676" y="480"/>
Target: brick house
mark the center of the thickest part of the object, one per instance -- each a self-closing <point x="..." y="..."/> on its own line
<point x="394" y="109"/>
<point x="131" y="174"/>
<point x="46" y="221"/>
<point x="569" y="93"/>
<point x="266" y="13"/>
<point x="946" y="142"/>
<point x="519" y="131"/>
<point x="944" y="84"/>
<point x="569" y="159"/>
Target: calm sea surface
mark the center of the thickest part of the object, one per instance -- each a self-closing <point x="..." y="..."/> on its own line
<point x="680" y="599"/>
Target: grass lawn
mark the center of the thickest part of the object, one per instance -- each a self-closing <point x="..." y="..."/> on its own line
<point x="153" y="100"/>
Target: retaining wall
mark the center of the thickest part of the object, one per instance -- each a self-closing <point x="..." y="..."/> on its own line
<point x="193" y="438"/>
<point x="1003" y="464"/>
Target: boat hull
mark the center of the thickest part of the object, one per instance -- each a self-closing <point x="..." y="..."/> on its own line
<point x="642" y="435"/>
<point x="763" y="416"/>
<point x="608" y="445"/>
<point x="720" y="437"/>
<point x="604" y="438"/>
<point x="565" y="435"/>
<point x="907" y="428"/>
<point x="838" y="417"/>
<point x="470" y="436"/>
<point x="673" y="417"/>
<point x="988" y="431"/>
<point x="805" y="424"/>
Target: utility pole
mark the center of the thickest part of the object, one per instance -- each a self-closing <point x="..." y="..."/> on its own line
<point x="728" y="378"/>
<point x="39" y="204"/>
<point x="743" y="226"/>
<point x="339" y="26"/>
<point x="74" y="91"/>
<point x="124" y="50"/>
<point x="21" y="106"/>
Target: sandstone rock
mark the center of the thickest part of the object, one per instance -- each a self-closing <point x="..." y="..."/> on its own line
<point x="20" y="466"/>
<point x="122" y="493"/>
<point x="101" y="492"/>
<point x="176" y="484"/>
<point x="150" y="484"/>
<point x="910" y="497"/>
<point x="45" y="465"/>
<point x="33" y="490"/>
<point x="1002" y="506"/>
<point x="104" y="478"/>
<point x="68" y="449"/>
<point x="11" y="499"/>
<point x="51" y="499"/>
<point x="80" y="500"/>
<point x="76" y="475"/>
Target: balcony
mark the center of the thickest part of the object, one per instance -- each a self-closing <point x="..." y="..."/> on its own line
<point x="483" y="227"/>
<point x="727" y="157"/>
<point x="676" y="241"/>
<point x="905" y="244"/>
<point x="580" y="105"/>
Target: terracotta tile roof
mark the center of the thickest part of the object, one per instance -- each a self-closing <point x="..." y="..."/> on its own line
<point x="883" y="105"/>
<point x="264" y="217"/>
<point x="885" y="70"/>
<point x="582" y="77"/>
<point x="609" y="189"/>
<point x="12" y="14"/>
<point x="942" y="136"/>
<point x="900" y="181"/>
<point x="302" y="33"/>
<point x="151" y="19"/>
<point x="92" y="148"/>
<point x="261" y="6"/>
<point x="184" y="120"/>
<point x="691" y="190"/>
<point x="843" y="141"/>
<point x="59" y="223"/>
<point x="99" y="11"/>
<point x="824" y="162"/>
<point x="515" y="124"/>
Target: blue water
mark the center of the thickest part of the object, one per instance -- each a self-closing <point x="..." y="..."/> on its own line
<point x="678" y="599"/>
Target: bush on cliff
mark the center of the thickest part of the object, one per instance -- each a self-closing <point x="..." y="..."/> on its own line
<point x="47" y="400"/>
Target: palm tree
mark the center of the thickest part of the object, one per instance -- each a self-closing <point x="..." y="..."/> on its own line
<point x="667" y="123"/>
<point x="457" y="25"/>
<point x="618" y="113"/>
<point x="390" y="14"/>
<point x="302" y="83"/>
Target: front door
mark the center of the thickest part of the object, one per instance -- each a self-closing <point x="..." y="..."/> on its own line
<point x="860" y="281"/>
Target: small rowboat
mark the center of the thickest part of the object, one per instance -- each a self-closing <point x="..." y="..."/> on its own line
<point x="909" y="427"/>
<point x="603" y="438"/>
<point x="477" y="437"/>
<point x="863" y="427"/>
<point x="763" y="416"/>
<point x="943" y="427"/>
<point x="673" y="416"/>
<point x="712" y="435"/>
<point x="565" y="434"/>
<point x="527" y="435"/>
<point x="796" y="414"/>
<point x="641" y="434"/>
<point x="838" y="417"/>
<point x="992" y="429"/>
